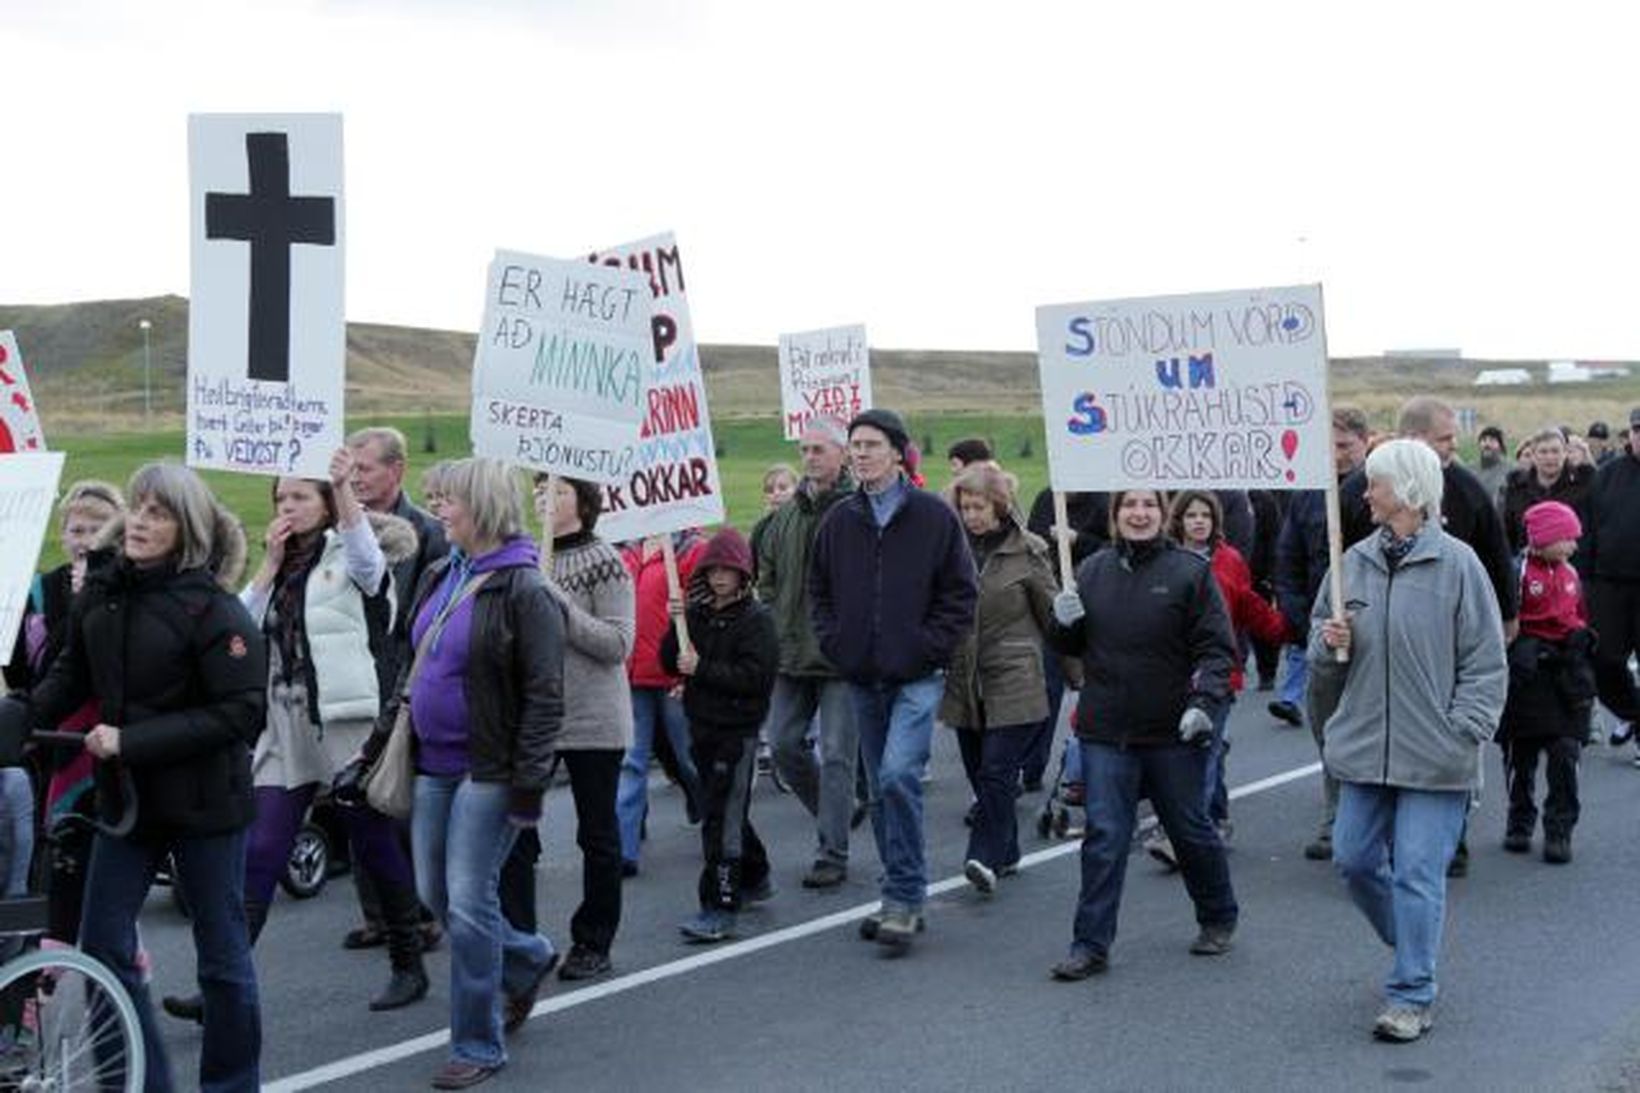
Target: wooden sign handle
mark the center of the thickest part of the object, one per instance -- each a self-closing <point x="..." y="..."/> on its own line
<point x="674" y="589"/>
<point x="1335" y="561"/>
<point x="1063" y="534"/>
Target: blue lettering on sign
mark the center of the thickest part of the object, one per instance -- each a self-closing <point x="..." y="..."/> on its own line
<point x="1079" y="329"/>
<point x="1088" y="416"/>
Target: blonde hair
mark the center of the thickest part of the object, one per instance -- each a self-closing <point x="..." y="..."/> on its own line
<point x="779" y="470"/>
<point x="985" y="479"/>
<point x="491" y="494"/>
<point x="95" y="498"/>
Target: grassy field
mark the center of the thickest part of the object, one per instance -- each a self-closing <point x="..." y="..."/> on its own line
<point x="747" y="448"/>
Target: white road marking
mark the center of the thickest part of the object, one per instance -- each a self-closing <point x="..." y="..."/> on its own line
<point x="392" y="1053"/>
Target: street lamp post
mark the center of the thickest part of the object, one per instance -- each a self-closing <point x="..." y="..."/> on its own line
<point x="147" y="377"/>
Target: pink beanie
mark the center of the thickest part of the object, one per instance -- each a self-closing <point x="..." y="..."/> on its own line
<point x="1550" y="522"/>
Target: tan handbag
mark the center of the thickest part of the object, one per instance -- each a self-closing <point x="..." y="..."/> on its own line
<point x="389" y="785"/>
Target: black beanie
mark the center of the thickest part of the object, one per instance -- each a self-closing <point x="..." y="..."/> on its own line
<point x="888" y="422"/>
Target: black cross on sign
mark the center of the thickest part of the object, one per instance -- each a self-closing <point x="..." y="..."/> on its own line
<point x="270" y="220"/>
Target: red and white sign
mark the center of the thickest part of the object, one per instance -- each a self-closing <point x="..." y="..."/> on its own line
<point x="19" y="420"/>
<point x="823" y="373"/>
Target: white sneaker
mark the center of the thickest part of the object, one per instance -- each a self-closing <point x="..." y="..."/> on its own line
<point x="980" y="875"/>
<point x="1160" y="847"/>
<point x="1403" y="1024"/>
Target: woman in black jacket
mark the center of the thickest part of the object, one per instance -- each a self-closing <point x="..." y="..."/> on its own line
<point x="1148" y="621"/>
<point x="1551" y="477"/>
<point x="179" y="674"/>
<point x="487" y="704"/>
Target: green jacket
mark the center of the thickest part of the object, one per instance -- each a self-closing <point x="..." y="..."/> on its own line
<point x="995" y="678"/>
<point x="784" y="542"/>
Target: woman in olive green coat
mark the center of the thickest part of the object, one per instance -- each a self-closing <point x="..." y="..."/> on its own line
<point x="995" y="692"/>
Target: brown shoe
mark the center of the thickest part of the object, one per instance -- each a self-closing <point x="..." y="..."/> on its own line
<point x="516" y="1009"/>
<point x="454" y="1075"/>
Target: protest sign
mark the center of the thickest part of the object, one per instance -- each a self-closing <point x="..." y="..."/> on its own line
<point x="28" y="490"/>
<point x="672" y="483"/>
<point x="1223" y="390"/>
<point x="564" y="362"/>
<point x="267" y="335"/>
<point x="823" y="373"/>
<point x="19" y="420"/>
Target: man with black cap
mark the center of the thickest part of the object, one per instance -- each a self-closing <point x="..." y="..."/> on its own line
<point x="1610" y="564"/>
<point x="892" y="591"/>
<point x="1599" y="437"/>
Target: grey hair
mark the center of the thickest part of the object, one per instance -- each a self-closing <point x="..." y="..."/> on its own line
<point x="490" y="491"/>
<point x="185" y="496"/>
<point x="1419" y="414"/>
<point x="827" y="428"/>
<point x="1548" y="432"/>
<point x="388" y="440"/>
<point x="1413" y="471"/>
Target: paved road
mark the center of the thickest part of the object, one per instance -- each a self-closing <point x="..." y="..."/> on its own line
<point x="1539" y="976"/>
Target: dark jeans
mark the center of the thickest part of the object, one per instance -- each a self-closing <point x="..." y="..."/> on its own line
<point x="1033" y="760"/>
<point x="210" y="869"/>
<point x="1614" y="614"/>
<point x="1215" y="797"/>
<point x="1172" y="777"/>
<point x="735" y="858"/>
<point x="593" y="776"/>
<point x="991" y="759"/>
<point x="1560" y="807"/>
<point x="517" y="885"/>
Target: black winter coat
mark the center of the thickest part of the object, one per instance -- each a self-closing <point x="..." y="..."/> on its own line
<point x="1521" y="491"/>
<point x="515" y="680"/>
<point x="891" y="604"/>
<point x="1467" y="514"/>
<point x="1551" y="688"/>
<point x="1301" y="557"/>
<point x="739" y="655"/>
<point x="1611" y="524"/>
<point x="1156" y="639"/>
<point x="177" y="664"/>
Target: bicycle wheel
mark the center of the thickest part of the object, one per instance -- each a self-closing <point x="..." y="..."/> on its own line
<point x="66" y="1024"/>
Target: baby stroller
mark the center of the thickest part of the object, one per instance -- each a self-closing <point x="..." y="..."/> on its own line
<point x="1063" y="814"/>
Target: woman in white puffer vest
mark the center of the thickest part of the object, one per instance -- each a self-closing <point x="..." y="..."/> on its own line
<point x="324" y="598"/>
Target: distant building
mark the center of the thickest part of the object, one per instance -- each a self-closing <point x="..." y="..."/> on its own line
<point x="1503" y="377"/>
<point x="1424" y="354"/>
<point x="1568" y="372"/>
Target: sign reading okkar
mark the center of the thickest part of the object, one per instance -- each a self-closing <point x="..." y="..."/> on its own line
<point x="1223" y="390"/>
<point x="565" y="360"/>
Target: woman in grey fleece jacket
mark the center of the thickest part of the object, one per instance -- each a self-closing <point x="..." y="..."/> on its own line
<point x="1422" y="689"/>
<point x="592" y="585"/>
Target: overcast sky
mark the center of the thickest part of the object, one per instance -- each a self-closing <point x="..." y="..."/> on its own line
<point x="1455" y="175"/>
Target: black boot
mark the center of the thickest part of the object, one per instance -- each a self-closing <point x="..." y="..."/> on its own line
<point x="191" y="1007"/>
<point x="402" y="913"/>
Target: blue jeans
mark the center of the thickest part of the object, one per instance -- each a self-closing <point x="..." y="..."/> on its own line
<point x="1215" y="797"/>
<point x="1295" y="676"/>
<point x="210" y="869"/>
<point x="824" y="785"/>
<point x="459" y="838"/>
<point x="992" y="759"/>
<point x="1172" y="777"/>
<point x="896" y="722"/>
<point x="650" y="705"/>
<point x="1402" y="894"/>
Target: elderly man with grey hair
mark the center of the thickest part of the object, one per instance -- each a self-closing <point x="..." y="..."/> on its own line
<point x="1420" y="693"/>
<point x="807" y="681"/>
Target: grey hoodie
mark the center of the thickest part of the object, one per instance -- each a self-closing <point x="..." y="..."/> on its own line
<point x="1427" y="677"/>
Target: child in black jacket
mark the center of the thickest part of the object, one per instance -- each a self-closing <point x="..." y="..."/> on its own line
<point x="728" y="676"/>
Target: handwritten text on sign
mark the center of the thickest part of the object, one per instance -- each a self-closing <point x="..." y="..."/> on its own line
<point x="673" y="483"/>
<point x="19" y="419"/>
<point x="1223" y="389"/>
<point x="28" y="489"/>
<point x="823" y="373"/>
<point x="267" y="340"/>
<point x="564" y="363"/>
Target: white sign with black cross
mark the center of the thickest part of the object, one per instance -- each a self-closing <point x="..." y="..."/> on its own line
<point x="267" y="331"/>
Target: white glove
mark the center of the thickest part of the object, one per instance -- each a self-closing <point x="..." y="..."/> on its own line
<point x="1067" y="608"/>
<point x="1194" y="725"/>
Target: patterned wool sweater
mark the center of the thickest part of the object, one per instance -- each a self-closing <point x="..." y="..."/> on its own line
<point x="591" y="583"/>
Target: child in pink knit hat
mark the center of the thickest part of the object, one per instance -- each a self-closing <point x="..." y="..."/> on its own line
<point x="1551" y="684"/>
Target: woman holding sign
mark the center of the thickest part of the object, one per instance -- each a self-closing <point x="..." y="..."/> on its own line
<point x="1422" y="689"/>
<point x="1150" y="626"/>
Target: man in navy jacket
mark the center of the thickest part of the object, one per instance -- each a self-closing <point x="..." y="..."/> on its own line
<point x="892" y="591"/>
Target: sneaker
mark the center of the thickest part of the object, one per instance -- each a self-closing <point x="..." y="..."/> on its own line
<point x="1226" y="830"/>
<point x="1517" y="842"/>
<point x="895" y="929"/>
<point x="1160" y="847"/>
<point x="584" y="963"/>
<point x="368" y="936"/>
<point x="1459" y="865"/>
<point x="1557" y="849"/>
<point x="1319" y="849"/>
<point x="759" y="893"/>
<point x="708" y="926"/>
<point x="1403" y="1024"/>
<point x="971" y="817"/>
<point x="184" y="1007"/>
<point x="825" y="873"/>
<point x="980" y="875"/>
<point x="1213" y="941"/>
<point x="1079" y="964"/>
<point x="1621" y="734"/>
<point x="1286" y="711"/>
